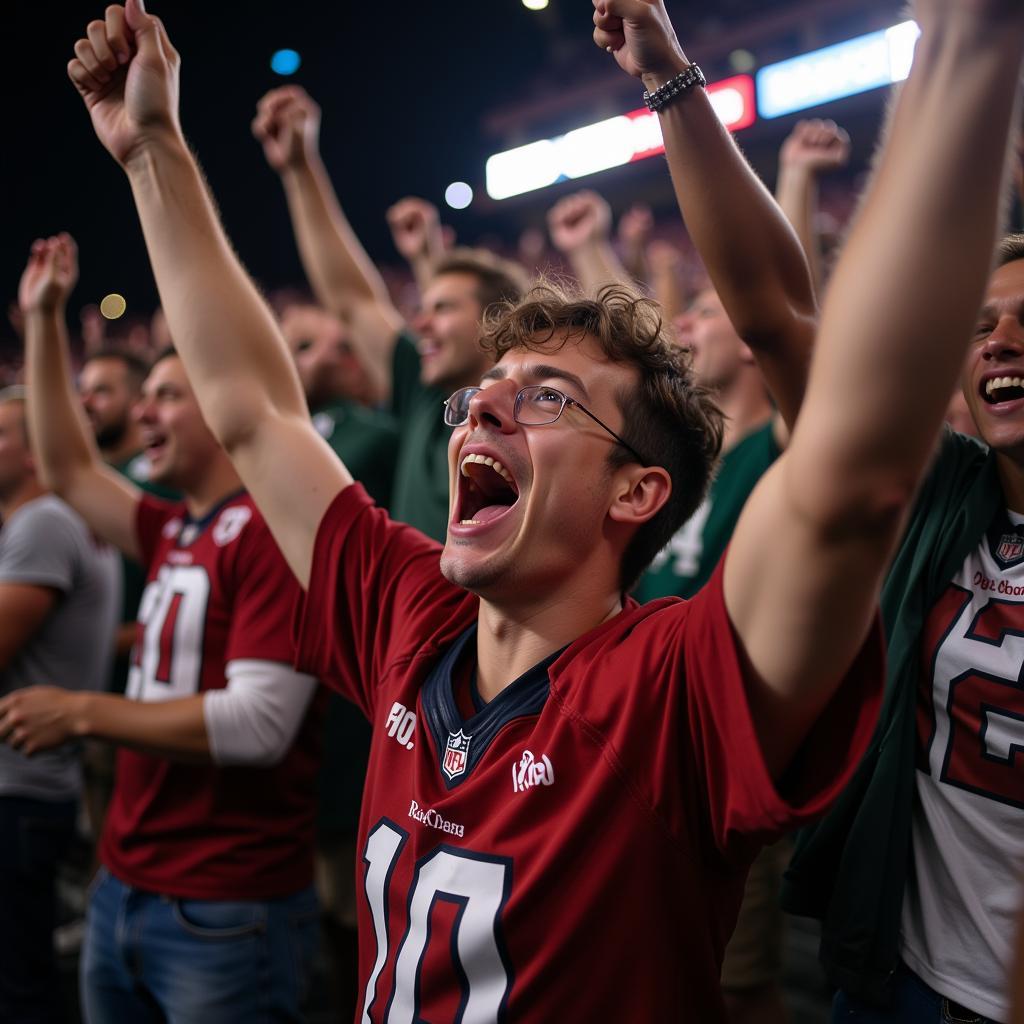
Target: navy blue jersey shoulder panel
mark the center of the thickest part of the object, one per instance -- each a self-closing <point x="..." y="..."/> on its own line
<point x="470" y="738"/>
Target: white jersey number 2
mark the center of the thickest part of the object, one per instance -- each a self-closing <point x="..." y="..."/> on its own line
<point x="479" y="885"/>
<point x="168" y="659"/>
<point x="978" y="745"/>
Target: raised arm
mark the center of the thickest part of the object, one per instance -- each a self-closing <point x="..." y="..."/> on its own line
<point x="343" y="276"/>
<point x="811" y="149"/>
<point x="752" y="256"/>
<point x="244" y="378"/>
<point x="635" y="227"/>
<point x="667" y="265"/>
<point x="580" y="226"/>
<point x="807" y="559"/>
<point x="418" y="236"/>
<point x="65" y="450"/>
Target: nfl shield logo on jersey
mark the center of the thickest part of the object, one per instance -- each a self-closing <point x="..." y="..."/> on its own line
<point x="456" y="754"/>
<point x="1010" y="548"/>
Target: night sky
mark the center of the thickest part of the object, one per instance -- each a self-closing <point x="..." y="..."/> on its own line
<point x="404" y="88"/>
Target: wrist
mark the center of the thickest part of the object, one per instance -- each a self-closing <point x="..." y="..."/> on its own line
<point x="78" y="716"/>
<point x="299" y="164"/>
<point x="665" y="71"/>
<point x="797" y="174"/>
<point x="39" y="314"/>
<point x="153" y="149"/>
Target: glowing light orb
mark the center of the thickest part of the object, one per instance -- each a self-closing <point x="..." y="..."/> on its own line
<point x="285" y="62"/>
<point x="113" y="305"/>
<point x="458" y="195"/>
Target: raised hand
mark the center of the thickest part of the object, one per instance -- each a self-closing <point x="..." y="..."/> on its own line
<point x="50" y="275"/>
<point x="578" y="220"/>
<point x="287" y="125"/>
<point x="635" y="227"/>
<point x="640" y="36"/>
<point x="816" y="146"/>
<point x="415" y="228"/>
<point x="126" y="71"/>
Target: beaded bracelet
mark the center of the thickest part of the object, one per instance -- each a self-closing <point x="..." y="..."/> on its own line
<point x="664" y="94"/>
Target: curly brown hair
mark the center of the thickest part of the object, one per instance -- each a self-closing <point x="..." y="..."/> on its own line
<point x="669" y="418"/>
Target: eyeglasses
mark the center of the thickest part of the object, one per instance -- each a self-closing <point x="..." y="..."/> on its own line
<point x="534" y="406"/>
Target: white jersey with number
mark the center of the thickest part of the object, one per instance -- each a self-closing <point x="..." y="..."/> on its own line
<point x="964" y="889"/>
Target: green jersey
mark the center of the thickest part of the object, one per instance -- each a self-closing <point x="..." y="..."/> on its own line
<point x="684" y="565"/>
<point x="421" y="477"/>
<point x="365" y="440"/>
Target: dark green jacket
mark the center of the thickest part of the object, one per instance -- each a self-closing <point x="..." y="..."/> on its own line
<point x="850" y="869"/>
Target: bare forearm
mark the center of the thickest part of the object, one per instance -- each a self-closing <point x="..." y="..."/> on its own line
<point x="751" y="253"/>
<point x="61" y="439"/>
<point x="237" y="362"/>
<point x="422" y="271"/>
<point x="797" y="196"/>
<point x="634" y="262"/>
<point x="668" y="290"/>
<point x="596" y="264"/>
<point x="174" y="728"/>
<point x="749" y="249"/>
<point x="902" y="304"/>
<point x="334" y="259"/>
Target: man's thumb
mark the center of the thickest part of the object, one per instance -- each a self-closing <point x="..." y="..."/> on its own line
<point x="143" y="25"/>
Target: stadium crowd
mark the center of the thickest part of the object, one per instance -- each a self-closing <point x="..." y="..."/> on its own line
<point x="522" y="634"/>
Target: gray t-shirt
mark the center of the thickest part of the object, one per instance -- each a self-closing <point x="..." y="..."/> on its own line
<point x="45" y="543"/>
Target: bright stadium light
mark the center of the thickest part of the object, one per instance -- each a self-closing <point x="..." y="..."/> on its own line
<point x="609" y="143"/>
<point x="857" y="65"/>
<point x="458" y="195"/>
<point x="535" y="5"/>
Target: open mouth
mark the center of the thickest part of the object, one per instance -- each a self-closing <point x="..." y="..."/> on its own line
<point x="486" y="490"/>
<point x="1002" y="389"/>
<point x="154" y="445"/>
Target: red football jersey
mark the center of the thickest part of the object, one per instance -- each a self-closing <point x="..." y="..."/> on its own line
<point x="576" y="849"/>
<point x="218" y="590"/>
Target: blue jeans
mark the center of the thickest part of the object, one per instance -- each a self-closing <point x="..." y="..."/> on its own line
<point x="154" y="958"/>
<point x="34" y="837"/>
<point x="913" y="1003"/>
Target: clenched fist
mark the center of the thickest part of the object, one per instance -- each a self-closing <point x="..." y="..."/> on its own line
<point x="126" y="71"/>
<point x="578" y="220"/>
<point x="415" y="227"/>
<point x="287" y="125"/>
<point x="640" y="36"/>
<point x="50" y="275"/>
<point x="816" y="146"/>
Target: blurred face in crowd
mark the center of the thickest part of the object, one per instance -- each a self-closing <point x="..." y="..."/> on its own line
<point x="993" y="375"/>
<point x="16" y="466"/>
<point x="108" y="394"/>
<point x="175" y="437"/>
<point x="719" y="354"/>
<point x="543" y="516"/>
<point x="448" y="326"/>
<point x="328" y="368"/>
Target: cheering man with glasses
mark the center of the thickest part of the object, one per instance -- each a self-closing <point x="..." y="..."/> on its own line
<point x="536" y="405"/>
<point x="560" y="778"/>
